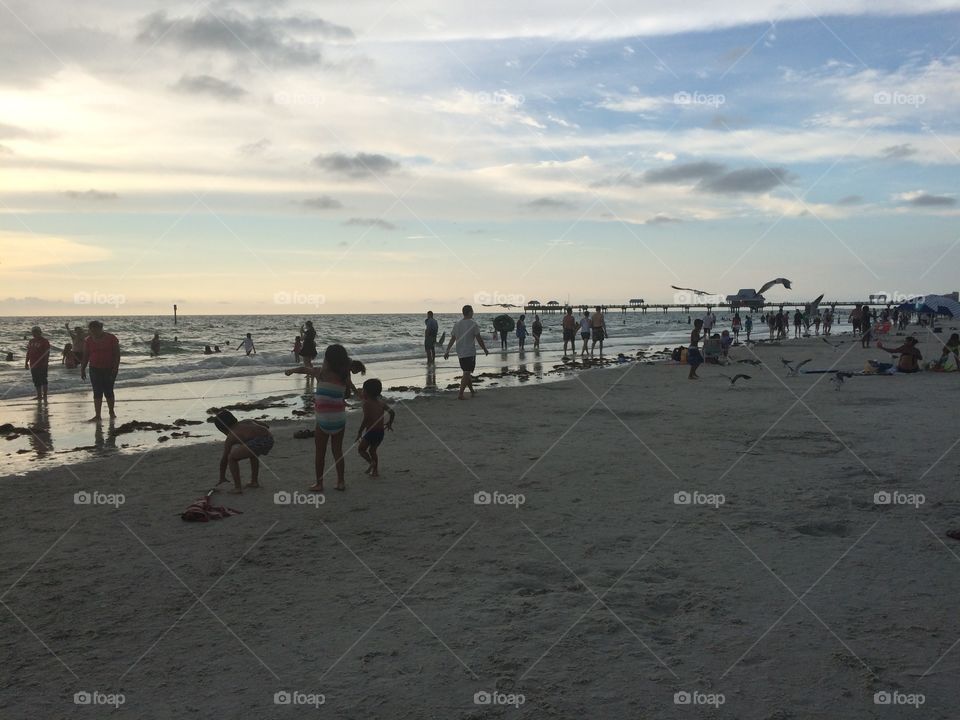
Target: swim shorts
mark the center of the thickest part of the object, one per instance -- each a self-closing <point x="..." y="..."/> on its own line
<point x="468" y="364"/>
<point x="373" y="437"/>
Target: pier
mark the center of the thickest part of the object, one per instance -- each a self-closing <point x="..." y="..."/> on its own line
<point x="754" y="306"/>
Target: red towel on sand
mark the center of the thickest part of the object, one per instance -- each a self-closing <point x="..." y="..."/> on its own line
<point x="203" y="511"/>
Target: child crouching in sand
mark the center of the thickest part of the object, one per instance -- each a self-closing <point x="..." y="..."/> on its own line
<point x="374" y="407"/>
<point x="246" y="440"/>
<point x="330" y="409"/>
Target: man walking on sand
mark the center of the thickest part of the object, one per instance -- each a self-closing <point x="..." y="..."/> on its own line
<point x="38" y="360"/>
<point x="569" y="332"/>
<point x="466" y="333"/>
<point x="598" y="330"/>
<point x="101" y="352"/>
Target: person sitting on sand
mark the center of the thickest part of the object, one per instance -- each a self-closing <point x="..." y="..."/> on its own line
<point x="68" y="358"/>
<point x="910" y="355"/>
<point x="952" y="346"/>
<point x="247" y="344"/>
<point x="374" y="408"/>
<point x="694" y="358"/>
<point x="246" y="440"/>
<point x="329" y="410"/>
<point x="712" y="349"/>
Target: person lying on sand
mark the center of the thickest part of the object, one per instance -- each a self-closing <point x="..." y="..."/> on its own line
<point x="910" y="356"/>
<point x="246" y="440"/>
<point x="374" y="408"/>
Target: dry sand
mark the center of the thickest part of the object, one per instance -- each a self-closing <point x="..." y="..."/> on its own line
<point x="599" y="597"/>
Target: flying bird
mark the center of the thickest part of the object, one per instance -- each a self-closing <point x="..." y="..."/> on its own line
<point x="733" y="380"/>
<point x="696" y="292"/>
<point x="839" y="378"/>
<point x="501" y="305"/>
<point x="767" y="285"/>
<point x="794" y="370"/>
<point x="752" y="362"/>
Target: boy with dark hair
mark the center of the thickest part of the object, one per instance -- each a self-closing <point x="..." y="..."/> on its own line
<point x="374" y="408"/>
<point x="246" y="440"/>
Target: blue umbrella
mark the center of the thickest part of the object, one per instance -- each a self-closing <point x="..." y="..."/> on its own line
<point x="933" y="305"/>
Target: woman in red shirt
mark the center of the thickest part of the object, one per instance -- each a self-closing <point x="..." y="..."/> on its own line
<point x="38" y="359"/>
<point x="101" y="351"/>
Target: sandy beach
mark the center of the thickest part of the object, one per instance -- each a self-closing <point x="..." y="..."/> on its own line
<point x="586" y="587"/>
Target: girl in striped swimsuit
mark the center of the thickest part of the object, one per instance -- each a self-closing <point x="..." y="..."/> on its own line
<point x="332" y="388"/>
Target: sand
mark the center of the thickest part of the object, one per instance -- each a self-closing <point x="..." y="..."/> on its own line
<point x="599" y="596"/>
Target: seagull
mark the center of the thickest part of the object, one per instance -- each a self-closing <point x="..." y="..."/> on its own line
<point x="733" y="380"/>
<point x="794" y="371"/>
<point x="778" y="281"/>
<point x="501" y="305"/>
<point x="752" y="362"/>
<point x="839" y="378"/>
<point x="833" y="345"/>
<point x="696" y="292"/>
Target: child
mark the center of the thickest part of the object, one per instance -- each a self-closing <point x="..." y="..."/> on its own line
<point x="69" y="359"/>
<point x="329" y="406"/>
<point x="246" y="440"/>
<point x="374" y="407"/>
<point x="297" y="347"/>
<point x="247" y="344"/>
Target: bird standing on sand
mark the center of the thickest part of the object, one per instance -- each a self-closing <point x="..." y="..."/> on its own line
<point x="778" y="281"/>
<point x="833" y="345"/>
<point x="733" y="380"/>
<point x="839" y="378"/>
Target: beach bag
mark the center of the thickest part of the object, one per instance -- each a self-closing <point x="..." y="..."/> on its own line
<point x="675" y="355"/>
<point x="683" y="355"/>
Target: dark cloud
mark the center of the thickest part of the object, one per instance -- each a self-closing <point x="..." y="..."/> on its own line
<point x="371" y="222"/>
<point x="285" y="40"/>
<point x="850" y="200"/>
<point x="683" y="172"/>
<point x="254" y="148"/>
<point x="746" y="180"/>
<point x="95" y="195"/>
<point x="209" y="85"/>
<point x="360" y="165"/>
<point x="323" y="202"/>
<point x="927" y="200"/>
<point x="660" y="219"/>
<point x="897" y="152"/>
<point x="548" y="203"/>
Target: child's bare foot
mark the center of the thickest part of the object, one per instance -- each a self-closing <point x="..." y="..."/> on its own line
<point x="113" y="416"/>
<point x="253" y="485"/>
<point x="221" y="482"/>
<point x="341" y="487"/>
<point x="95" y="418"/>
<point x="318" y="487"/>
<point x="374" y="473"/>
<point x="367" y="471"/>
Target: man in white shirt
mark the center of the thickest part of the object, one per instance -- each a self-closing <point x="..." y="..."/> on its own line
<point x="466" y="333"/>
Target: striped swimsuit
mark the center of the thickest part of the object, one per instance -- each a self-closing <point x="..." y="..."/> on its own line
<point x="329" y="407"/>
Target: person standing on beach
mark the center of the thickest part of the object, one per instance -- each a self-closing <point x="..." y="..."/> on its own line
<point x="466" y="334"/>
<point x="432" y="327"/>
<point x="855" y="319"/>
<point x="155" y="345"/>
<point x="569" y="332"/>
<point x="708" y="321"/>
<point x="38" y="361"/>
<point x="584" y="331"/>
<point x="748" y="326"/>
<point x="694" y="358"/>
<point x="297" y="348"/>
<point x="102" y="353"/>
<point x="598" y="330"/>
<point x="521" y="332"/>
<point x="247" y="344"/>
<point x="77" y="337"/>
<point x="308" y="348"/>
<point x="797" y="323"/>
<point x="735" y="326"/>
<point x="537" y="329"/>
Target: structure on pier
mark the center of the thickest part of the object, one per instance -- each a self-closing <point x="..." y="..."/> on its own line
<point x="734" y="302"/>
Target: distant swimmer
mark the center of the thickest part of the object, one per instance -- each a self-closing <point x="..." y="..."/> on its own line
<point x="207" y="350"/>
<point x="216" y="348"/>
<point x="155" y="345"/>
<point x="247" y="345"/>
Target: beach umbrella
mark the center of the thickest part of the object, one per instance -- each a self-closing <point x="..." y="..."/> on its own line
<point x="933" y="305"/>
<point x="504" y="323"/>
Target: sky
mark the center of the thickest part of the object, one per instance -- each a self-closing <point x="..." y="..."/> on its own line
<point x="330" y="157"/>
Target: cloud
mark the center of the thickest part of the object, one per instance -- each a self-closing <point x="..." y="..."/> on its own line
<point x="746" y="180"/>
<point x="921" y="198"/>
<point x="360" y="165"/>
<point x="548" y="203"/>
<point x="660" y="219"/>
<point x="12" y="131"/>
<point x="24" y="251"/>
<point x="4" y="150"/>
<point x="280" y="40"/>
<point x="209" y="85"/>
<point x="897" y="152"/>
<point x="683" y="172"/>
<point x="323" y="202"/>
<point x="371" y="222"/>
<point x="94" y="195"/>
<point x="633" y="103"/>
<point x="254" y="148"/>
<point x="850" y="200"/>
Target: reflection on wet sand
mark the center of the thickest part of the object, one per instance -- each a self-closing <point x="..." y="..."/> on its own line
<point x="40" y="439"/>
<point x="108" y="442"/>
